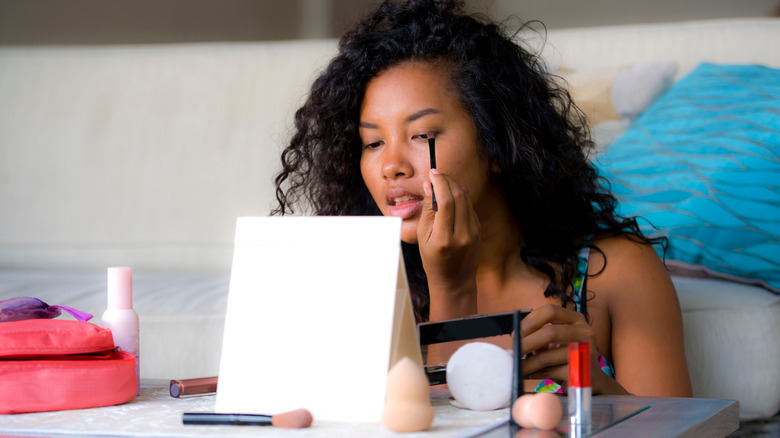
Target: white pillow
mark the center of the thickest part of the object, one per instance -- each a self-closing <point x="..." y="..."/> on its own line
<point x="622" y="92"/>
<point x="611" y="98"/>
<point x="636" y="86"/>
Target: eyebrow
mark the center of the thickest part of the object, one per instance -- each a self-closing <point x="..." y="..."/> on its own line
<point x="410" y="118"/>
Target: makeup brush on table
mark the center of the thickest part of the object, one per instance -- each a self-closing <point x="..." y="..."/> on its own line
<point x="297" y="419"/>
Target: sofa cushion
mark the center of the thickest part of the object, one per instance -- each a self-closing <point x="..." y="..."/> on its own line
<point x="701" y="164"/>
<point x="731" y="333"/>
<point x="143" y="156"/>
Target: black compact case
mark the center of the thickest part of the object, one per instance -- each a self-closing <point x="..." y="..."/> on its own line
<point x="475" y="327"/>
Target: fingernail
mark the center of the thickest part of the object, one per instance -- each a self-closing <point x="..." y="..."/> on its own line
<point x="427" y="188"/>
<point x="436" y="171"/>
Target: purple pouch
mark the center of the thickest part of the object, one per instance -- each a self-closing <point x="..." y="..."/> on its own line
<point x="19" y="308"/>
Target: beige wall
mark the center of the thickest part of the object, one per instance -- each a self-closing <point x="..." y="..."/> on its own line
<point x="578" y="13"/>
<point x="160" y="21"/>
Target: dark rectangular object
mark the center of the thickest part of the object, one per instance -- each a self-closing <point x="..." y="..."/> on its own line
<point x="472" y="327"/>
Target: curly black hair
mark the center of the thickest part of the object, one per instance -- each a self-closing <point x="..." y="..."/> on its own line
<point x="534" y="138"/>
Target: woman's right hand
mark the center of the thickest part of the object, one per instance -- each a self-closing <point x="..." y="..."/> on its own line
<point x="449" y="241"/>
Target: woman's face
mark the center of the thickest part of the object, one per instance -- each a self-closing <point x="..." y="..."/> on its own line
<point x="400" y="106"/>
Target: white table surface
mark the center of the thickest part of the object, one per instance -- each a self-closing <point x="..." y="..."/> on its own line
<point x="156" y="413"/>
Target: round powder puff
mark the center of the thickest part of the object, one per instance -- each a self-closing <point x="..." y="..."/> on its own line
<point x="479" y="376"/>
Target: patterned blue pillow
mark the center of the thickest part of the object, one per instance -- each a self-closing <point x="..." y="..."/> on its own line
<point x="702" y="164"/>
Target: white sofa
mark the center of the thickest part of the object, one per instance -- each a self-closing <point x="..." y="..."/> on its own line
<point x="144" y="156"/>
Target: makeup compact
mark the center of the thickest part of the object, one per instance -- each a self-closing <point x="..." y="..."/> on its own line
<point x="470" y="328"/>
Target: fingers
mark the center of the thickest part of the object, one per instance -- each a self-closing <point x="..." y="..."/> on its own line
<point x="445" y="211"/>
<point x="547" y="364"/>
<point x="455" y="218"/>
<point x="546" y="333"/>
<point x="553" y="325"/>
<point x="425" y="227"/>
<point x="549" y="314"/>
<point x="553" y="364"/>
<point x="449" y="239"/>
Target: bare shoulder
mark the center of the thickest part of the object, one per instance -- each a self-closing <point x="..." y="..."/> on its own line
<point x="622" y="267"/>
<point x="646" y="328"/>
<point x="623" y="252"/>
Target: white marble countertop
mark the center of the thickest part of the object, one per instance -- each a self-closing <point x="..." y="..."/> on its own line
<point x="155" y="413"/>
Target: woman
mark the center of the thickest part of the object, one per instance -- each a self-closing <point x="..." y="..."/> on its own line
<point x="522" y="217"/>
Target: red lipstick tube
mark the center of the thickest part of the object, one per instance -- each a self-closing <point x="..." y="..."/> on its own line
<point x="579" y="390"/>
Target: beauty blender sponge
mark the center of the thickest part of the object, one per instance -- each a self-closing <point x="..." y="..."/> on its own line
<point x="297" y="419"/>
<point x="541" y="410"/>
<point x="479" y="376"/>
<point x="407" y="401"/>
<point x="519" y="411"/>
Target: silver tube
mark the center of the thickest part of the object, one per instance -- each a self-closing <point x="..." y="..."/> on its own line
<point x="579" y="405"/>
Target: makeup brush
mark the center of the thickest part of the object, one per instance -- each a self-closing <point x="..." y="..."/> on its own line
<point x="297" y="419"/>
<point x="431" y="136"/>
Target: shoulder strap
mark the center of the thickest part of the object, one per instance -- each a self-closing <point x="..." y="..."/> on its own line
<point x="581" y="280"/>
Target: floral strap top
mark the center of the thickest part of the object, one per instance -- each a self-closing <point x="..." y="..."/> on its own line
<point x="580" y="305"/>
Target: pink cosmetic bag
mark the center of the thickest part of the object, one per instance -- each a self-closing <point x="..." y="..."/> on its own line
<point x="51" y="364"/>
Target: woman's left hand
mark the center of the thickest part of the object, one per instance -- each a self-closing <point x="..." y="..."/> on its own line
<point x="546" y="332"/>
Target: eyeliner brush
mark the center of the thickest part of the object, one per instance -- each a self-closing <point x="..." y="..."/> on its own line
<point x="431" y="136"/>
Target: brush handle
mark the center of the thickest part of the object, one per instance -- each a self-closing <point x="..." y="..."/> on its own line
<point x="210" y="418"/>
<point x="432" y="151"/>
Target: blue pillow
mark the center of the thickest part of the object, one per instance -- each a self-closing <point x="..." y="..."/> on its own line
<point x="702" y="164"/>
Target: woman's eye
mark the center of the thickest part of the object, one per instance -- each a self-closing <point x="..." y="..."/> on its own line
<point x="373" y="145"/>
<point x="423" y="136"/>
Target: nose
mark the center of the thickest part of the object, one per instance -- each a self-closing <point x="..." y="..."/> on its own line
<point x="395" y="161"/>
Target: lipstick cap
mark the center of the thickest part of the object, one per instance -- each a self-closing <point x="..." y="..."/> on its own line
<point x="579" y="364"/>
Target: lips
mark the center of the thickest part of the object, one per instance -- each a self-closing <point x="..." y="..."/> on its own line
<point x="402" y="203"/>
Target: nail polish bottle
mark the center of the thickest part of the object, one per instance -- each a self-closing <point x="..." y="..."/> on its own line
<point x="120" y="317"/>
